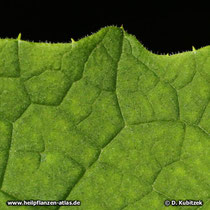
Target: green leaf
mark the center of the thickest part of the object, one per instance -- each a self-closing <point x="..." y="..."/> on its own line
<point x="104" y="121"/>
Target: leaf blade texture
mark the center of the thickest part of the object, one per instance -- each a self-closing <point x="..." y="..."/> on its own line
<point x="104" y="121"/>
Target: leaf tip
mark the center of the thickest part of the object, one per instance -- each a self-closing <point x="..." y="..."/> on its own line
<point x="19" y="36"/>
<point x="72" y="40"/>
<point x="122" y="27"/>
<point x="193" y="49"/>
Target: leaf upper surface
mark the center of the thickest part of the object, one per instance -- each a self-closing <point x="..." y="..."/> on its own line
<point x="104" y="121"/>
